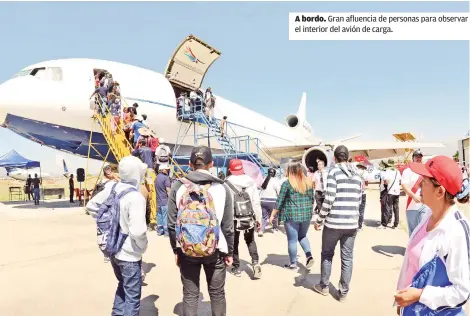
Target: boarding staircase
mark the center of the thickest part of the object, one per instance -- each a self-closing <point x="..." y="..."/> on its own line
<point x="120" y="146"/>
<point x="228" y="144"/>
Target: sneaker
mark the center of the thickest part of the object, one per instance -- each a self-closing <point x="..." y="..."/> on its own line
<point x="291" y="266"/>
<point x="310" y="263"/>
<point x="257" y="271"/>
<point x="260" y="234"/>
<point x="394" y="226"/>
<point x="323" y="291"/>
<point x="381" y="227"/>
<point x="236" y="272"/>
<point x="341" y="298"/>
<point x="360" y="229"/>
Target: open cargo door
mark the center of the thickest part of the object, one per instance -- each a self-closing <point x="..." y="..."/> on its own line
<point x="190" y="62"/>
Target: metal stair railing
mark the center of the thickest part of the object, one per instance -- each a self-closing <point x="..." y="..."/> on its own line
<point x="120" y="146"/>
<point x="265" y="152"/>
<point x="224" y="141"/>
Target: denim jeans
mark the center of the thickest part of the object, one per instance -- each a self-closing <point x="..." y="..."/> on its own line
<point x="36" y="195"/>
<point x="129" y="290"/>
<point x="413" y="217"/>
<point x="267" y="205"/>
<point x="297" y="231"/>
<point x="330" y="238"/>
<point x="215" y="270"/>
<point x="162" y="220"/>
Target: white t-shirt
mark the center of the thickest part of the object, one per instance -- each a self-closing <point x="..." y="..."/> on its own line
<point x="393" y="187"/>
<point x="409" y="178"/>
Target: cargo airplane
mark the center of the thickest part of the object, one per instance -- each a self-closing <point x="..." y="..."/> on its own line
<point x="49" y="103"/>
<point x="22" y="174"/>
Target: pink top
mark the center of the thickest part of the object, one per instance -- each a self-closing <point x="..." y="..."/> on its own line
<point x="414" y="253"/>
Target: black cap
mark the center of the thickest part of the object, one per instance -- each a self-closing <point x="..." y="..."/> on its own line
<point x="341" y="152"/>
<point x="201" y="152"/>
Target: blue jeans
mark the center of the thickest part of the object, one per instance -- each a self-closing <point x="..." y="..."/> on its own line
<point x="162" y="220"/>
<point x="129" y="290"/>
<point x="36" y="195"/>
<point x="267" y="205"/>
<point x="330" y="238"/>
<point x="297" y="231"/>
<point x="413" y="217"/>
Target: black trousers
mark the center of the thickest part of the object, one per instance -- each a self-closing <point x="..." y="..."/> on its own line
<point x="214" y="268"/>
<point x="71" y="194"/>
<point x="319" y="198"/>
<point x="362" y="208"/>
<point x="249" y="236"/>
<point x="393" y="208"/>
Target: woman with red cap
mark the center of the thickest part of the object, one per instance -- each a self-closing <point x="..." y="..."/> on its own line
<point x="435" y="276"/>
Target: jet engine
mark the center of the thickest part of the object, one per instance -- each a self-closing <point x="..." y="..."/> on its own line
<point x="310" y="157"/>
<point x="292" y="121"/>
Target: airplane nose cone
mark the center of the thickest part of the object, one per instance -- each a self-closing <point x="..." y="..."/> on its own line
<point x="13" y="95"/>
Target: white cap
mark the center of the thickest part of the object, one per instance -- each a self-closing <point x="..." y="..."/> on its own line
<point x="164" y="166"/>
<point x="139" y="118"/>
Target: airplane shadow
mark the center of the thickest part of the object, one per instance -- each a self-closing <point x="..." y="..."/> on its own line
<point x="62" y="204"/>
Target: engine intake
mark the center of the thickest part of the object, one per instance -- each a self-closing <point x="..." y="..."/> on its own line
<point x="310" y="157"/>
<point x="292" y="121"/>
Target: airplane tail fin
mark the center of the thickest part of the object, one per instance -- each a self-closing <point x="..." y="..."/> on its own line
<point x="302" y="111"/>
<point x="66" y="170"/>
<point x="9" y="169"/>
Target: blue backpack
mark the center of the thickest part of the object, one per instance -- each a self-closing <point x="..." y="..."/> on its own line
<point x="109" y="234"/>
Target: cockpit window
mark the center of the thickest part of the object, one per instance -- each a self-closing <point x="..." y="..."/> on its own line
<point x="23" y="73"/>
<point x="44" y="73"/>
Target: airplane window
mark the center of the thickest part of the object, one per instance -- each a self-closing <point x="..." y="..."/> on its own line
<point x="48" y="73"/>
<point x="55" y="73"/>
<point x="23" y="73"/>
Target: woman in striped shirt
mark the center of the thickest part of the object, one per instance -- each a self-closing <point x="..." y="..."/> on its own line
<point x="295" y="205"/>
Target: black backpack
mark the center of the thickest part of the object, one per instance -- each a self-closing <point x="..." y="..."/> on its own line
<point x="244" y="215"/>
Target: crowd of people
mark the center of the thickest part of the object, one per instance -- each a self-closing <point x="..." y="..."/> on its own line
<point x="197" y="101"/>
<point x="435" y="274"/>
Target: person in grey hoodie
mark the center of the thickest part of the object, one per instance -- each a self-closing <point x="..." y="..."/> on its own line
<point x="215" y="265"/>
<point x="127" y="263"/>
<point x="240" y="180"/>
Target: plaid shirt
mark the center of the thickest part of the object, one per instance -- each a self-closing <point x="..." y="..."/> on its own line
<point x="294" y="206"/>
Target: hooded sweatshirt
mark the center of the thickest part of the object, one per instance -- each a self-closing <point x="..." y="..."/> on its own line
<point x="223" y="207"/>
<point x="340" y="209"/>
<point x="244" y="181"/>
<point x="133" y="208"/>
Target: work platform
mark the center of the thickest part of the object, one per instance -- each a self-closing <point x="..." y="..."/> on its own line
<point x="231" y="146"/>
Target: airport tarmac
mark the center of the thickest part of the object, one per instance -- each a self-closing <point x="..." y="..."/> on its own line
<point x="50" y="265"/>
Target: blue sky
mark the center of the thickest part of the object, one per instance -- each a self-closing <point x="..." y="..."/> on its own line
<point x="371" y="87"/>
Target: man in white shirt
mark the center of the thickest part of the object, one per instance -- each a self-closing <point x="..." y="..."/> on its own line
<point x="388" y="181"/>
<point x="319" y="183"/>
<point x="393" y="179"/>
<point x="411" y="185"/>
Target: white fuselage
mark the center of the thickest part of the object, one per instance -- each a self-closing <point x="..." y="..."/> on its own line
<point x="66" y="102"/>
<point x="22" y="174"/>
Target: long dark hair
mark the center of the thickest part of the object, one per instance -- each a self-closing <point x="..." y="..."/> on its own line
<point x="271" y="173"/>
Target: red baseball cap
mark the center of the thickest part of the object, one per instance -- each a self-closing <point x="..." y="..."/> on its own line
<point x="444" y="170"/>
<point x="236" y="167"/>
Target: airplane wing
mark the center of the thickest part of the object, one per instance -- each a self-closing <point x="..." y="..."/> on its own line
<point x="371" y="150"/>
